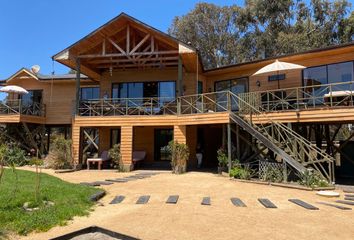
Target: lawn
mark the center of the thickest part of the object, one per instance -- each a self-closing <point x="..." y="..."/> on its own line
<point x="70" y="200"/>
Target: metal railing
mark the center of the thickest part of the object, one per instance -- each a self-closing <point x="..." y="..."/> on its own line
<point x="312" y="96"/>
<point x="9" y="107"/>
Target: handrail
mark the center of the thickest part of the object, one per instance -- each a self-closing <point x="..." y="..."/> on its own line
<point x="18" y="106"/>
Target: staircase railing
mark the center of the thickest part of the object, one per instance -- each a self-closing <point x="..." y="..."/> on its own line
<point x="291" y="142"/>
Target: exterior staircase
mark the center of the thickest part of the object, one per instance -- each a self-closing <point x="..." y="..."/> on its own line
<point x="286" y="144"/>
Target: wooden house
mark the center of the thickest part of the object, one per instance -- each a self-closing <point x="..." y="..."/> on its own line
<point x="142" y="88"/>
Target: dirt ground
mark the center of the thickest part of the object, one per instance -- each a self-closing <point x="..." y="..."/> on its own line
<point x="188" y="219"/>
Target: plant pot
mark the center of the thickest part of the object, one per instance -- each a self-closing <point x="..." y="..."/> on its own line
<point x="222" y="169"/>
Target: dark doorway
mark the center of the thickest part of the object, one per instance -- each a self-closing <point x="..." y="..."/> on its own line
<point x="161" y="139"/>
<point x="345" y="172"/>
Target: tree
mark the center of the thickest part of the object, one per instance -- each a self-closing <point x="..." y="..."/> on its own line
<point x="263" y="28"/>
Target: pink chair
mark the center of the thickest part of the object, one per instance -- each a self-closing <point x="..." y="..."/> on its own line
<point x="138" y="156"/>
<point x="99" y="161"/>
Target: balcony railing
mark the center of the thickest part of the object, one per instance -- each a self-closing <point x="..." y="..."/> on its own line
<point x="315" y="96"/>
<point x="13" y="107"/>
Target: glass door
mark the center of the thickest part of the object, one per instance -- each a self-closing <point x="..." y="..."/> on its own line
<point x="162" y="138"/>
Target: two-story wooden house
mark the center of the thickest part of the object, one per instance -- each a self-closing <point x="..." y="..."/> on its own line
<point x="140" y="87"/>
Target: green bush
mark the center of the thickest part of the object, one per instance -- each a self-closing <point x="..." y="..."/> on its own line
<point x="60" y="156"/>
<point x="222" y="157"/>
<point x="116" y="156"/>
<point x="312" y="179"/>
<point x="179" y="156"/>
<point x="273" y="175"/>
<point x="237" y="171"/>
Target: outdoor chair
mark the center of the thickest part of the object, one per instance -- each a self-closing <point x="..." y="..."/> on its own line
<point x="138" y="157"/>
<point x="104" y="157"/>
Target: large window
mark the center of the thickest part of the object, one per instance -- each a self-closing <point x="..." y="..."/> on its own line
<point x="239" y="85"/>
<point x="327" y="74"/>
<point x="90" y="93"/>
<point x="340" y="72"/>
<point x="166" y="90"/>
<point x="236" y="86"/>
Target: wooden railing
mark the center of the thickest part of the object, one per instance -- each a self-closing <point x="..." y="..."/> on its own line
<point x="314" y="96"/>
<point x="8" y="107"/>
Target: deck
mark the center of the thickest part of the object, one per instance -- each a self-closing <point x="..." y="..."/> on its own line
<point x="14" y="111"/>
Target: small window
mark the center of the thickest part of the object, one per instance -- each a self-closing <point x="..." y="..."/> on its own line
<point x="89" y="93"/>
<point x="276" y="77"/>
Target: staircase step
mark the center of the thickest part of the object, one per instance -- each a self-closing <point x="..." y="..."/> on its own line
<point x="267" y="203"/>
<point x="334" y="205"/>
<point x="172" y="199"/>
<point x="143" y="199"/>
<point x="303" y="204"/>
<point x="238" y="202"/>
<point x="117" y="199"/>
<point x="206" y="201"/>
<point x="345" y="202"/>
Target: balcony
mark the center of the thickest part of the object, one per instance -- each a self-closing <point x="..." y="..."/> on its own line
<point x="16" y="111"/>
<point x="285" y="104"/>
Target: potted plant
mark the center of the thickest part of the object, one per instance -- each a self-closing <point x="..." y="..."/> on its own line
<point x="222" y="160"/>
<point x="179" y="156"/>
<point x="116" y="156"/>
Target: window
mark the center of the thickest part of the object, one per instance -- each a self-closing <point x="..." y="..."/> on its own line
<point x="33" y="96"/>
<point x="315" y="76"/>
<point x="276" y="77"/>
<point x="340" y="72"/>
<point x="115" y="136"/>
<point x="239" y="85"/>
<point x="89" y="93"/>
<point x="144" y="90"/>
<point x="200" y="87"/>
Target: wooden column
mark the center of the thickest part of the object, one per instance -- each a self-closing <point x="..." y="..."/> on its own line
<point x="180" y="78"/>
<point x="77" y="86"/>
<point x="75" y="137"/>
<point x="126" y="147"/>
<point x="238" y="142"/>
<point x="229" y="150"/>
<point x="180" y="134"/>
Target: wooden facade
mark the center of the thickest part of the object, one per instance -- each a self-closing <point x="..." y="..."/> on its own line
<point x="128" y="51"/>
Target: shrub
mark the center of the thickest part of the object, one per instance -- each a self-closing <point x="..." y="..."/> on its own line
<point x="240" y="172"/>
<point x="179" y="156"/>
<point x="116" y="156"/>
<point x="272" y="174"/>
<point x="222" y="157"/>
<point x="59" y="156"/>
<point x="312" y="179"/>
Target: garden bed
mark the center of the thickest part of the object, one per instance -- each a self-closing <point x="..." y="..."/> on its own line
<point x="69" y="200"/>
<point x="285" y="185"/>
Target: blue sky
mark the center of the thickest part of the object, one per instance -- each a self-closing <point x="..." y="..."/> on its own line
<point x="34" y="30"/>
<point x="31" y="31"/>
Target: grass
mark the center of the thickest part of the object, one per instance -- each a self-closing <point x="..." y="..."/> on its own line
<point x="70" y="200"/>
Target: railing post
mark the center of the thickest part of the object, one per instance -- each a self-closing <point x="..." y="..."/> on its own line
<point x="202" y="96"/>
<point x="229" y="151"/>
<point x="330" y="95"/>
<point x="179" y="106"/>
<point x="228" y="101"/>
<point x="126" y="107"/>
<point x="297" y="99"/>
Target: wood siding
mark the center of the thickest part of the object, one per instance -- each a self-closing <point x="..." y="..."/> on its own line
<point x="180" y="133"/>
<point x="293" y="78"/>
<point x="126" y="145"/>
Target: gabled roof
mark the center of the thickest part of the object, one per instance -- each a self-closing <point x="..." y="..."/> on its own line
<point x="42" y="77"/>
<point x="107" y="44"/>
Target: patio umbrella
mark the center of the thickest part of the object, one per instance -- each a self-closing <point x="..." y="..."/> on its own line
<point x="277" y="67"/>
<point x="13" y="89"/>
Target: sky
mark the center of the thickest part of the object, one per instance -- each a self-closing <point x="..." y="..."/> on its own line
<point x="32" y="31"/>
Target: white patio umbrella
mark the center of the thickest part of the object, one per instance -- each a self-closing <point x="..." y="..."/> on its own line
<point x="277" y="67"/>
<point x="13" y="89"/>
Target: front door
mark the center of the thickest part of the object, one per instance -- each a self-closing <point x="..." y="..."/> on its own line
<point x="162" y="138"/>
